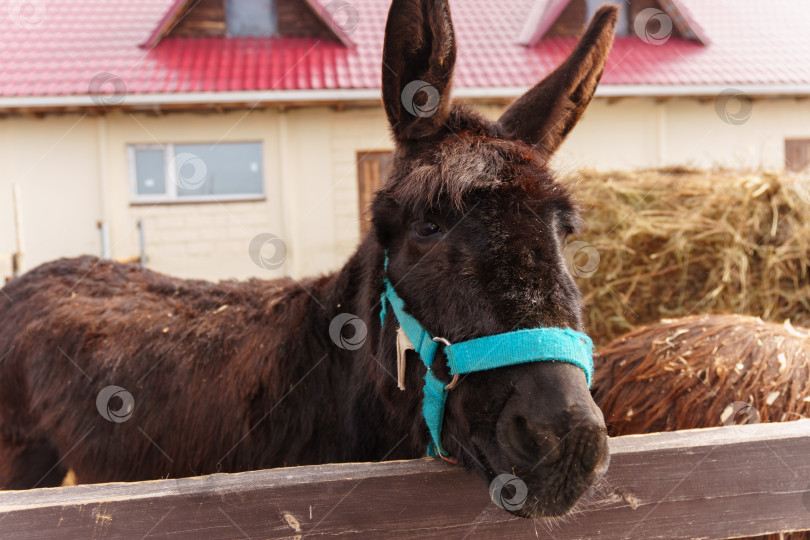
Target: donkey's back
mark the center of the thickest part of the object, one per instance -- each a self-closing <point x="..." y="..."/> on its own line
<point x="80" y="340"/>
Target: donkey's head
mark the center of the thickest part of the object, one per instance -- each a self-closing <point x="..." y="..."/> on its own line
<point x="475" y="224"/>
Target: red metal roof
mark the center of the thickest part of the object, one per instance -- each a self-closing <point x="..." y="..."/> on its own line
<point x="56" y="48"/>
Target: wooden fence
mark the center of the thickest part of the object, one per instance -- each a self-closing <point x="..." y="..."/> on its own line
<point x="709" y="483"/>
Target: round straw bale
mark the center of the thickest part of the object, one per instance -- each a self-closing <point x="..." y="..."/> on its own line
<point x="703" y="371"/>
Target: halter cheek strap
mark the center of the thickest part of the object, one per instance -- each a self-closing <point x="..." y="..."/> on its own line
<point x="481" y="354"/>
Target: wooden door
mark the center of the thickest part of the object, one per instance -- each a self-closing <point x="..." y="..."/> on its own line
<point x="797" y="154"/>
<point x="372" y="170"/>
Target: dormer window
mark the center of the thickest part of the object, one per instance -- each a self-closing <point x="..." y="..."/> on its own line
<point x="568" y="18"/>
<point x="250" y="18"/>
<point x="253" y="18"/>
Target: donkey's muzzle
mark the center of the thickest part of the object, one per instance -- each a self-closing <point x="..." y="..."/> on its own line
<point x="553" y="436"/>
<point x="577" y="437"/>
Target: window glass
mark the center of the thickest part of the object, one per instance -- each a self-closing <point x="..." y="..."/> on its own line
<point x="218" y="169"/>
<point x="150" y="171"/>
<point x="250" y="18"/>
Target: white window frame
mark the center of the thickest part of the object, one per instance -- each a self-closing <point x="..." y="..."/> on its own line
<point x="170" y="177"/>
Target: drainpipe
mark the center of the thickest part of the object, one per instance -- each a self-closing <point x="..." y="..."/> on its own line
<point x="142" y="242"/>
<point x="104" y="231"/>
<point x="287" y="191"/>
<point x="17" y="258"/>
<point x="104" y="223"/>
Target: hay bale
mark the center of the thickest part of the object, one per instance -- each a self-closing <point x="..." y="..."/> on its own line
<point x="703" y="371"/>
<point x="683" y="242"/>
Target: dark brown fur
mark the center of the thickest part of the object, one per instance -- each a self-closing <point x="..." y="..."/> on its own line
<point x="243" y="375"/>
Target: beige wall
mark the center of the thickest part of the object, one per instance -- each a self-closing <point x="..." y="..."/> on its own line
<point x="73" y="171"/>
<point x="636" y="133"/>
<point x="54" y="163"/>
<point x="201" y="240"/>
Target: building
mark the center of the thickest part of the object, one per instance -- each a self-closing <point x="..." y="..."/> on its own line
<point x="210" y="122"/>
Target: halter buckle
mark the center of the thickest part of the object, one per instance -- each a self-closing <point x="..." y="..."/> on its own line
<point x="452" y="384"/>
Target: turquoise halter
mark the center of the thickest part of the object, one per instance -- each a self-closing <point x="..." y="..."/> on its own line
<point x="481" y="354"/>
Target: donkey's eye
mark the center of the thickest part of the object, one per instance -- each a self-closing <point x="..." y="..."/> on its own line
<point x="565" y="231"/>
<point x="423" y="229"/>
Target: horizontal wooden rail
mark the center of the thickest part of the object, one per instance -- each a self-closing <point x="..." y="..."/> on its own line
<point x="708" y="483"/>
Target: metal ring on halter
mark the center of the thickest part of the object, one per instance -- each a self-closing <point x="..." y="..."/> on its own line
<point x="452" y="384"/>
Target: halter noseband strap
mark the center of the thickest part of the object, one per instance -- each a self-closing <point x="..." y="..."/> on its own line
<point x="481" y="354"/>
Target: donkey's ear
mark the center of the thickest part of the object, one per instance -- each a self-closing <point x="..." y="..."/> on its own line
<point x="418" y="58"/>
<point x="544" y="115"/>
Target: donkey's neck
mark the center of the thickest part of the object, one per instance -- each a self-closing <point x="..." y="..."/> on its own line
<point x="347" y="406"/>
<point x="380" y="416"/>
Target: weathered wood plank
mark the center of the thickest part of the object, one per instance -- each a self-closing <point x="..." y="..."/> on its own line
<point x="711" y="483"/>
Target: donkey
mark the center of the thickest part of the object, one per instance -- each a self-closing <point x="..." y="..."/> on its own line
<point x="123" y="374"/>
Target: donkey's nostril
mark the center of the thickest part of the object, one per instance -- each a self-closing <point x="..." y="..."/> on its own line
<point x="594" y="454"/>
<point x="528" y="443"/>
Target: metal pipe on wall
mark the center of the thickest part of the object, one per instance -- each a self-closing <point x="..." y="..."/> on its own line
<point x="17" y="258"/>
<point x="104" y="231"/>
<point x="103" y="191"/>
<point x="142" y="242"/>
